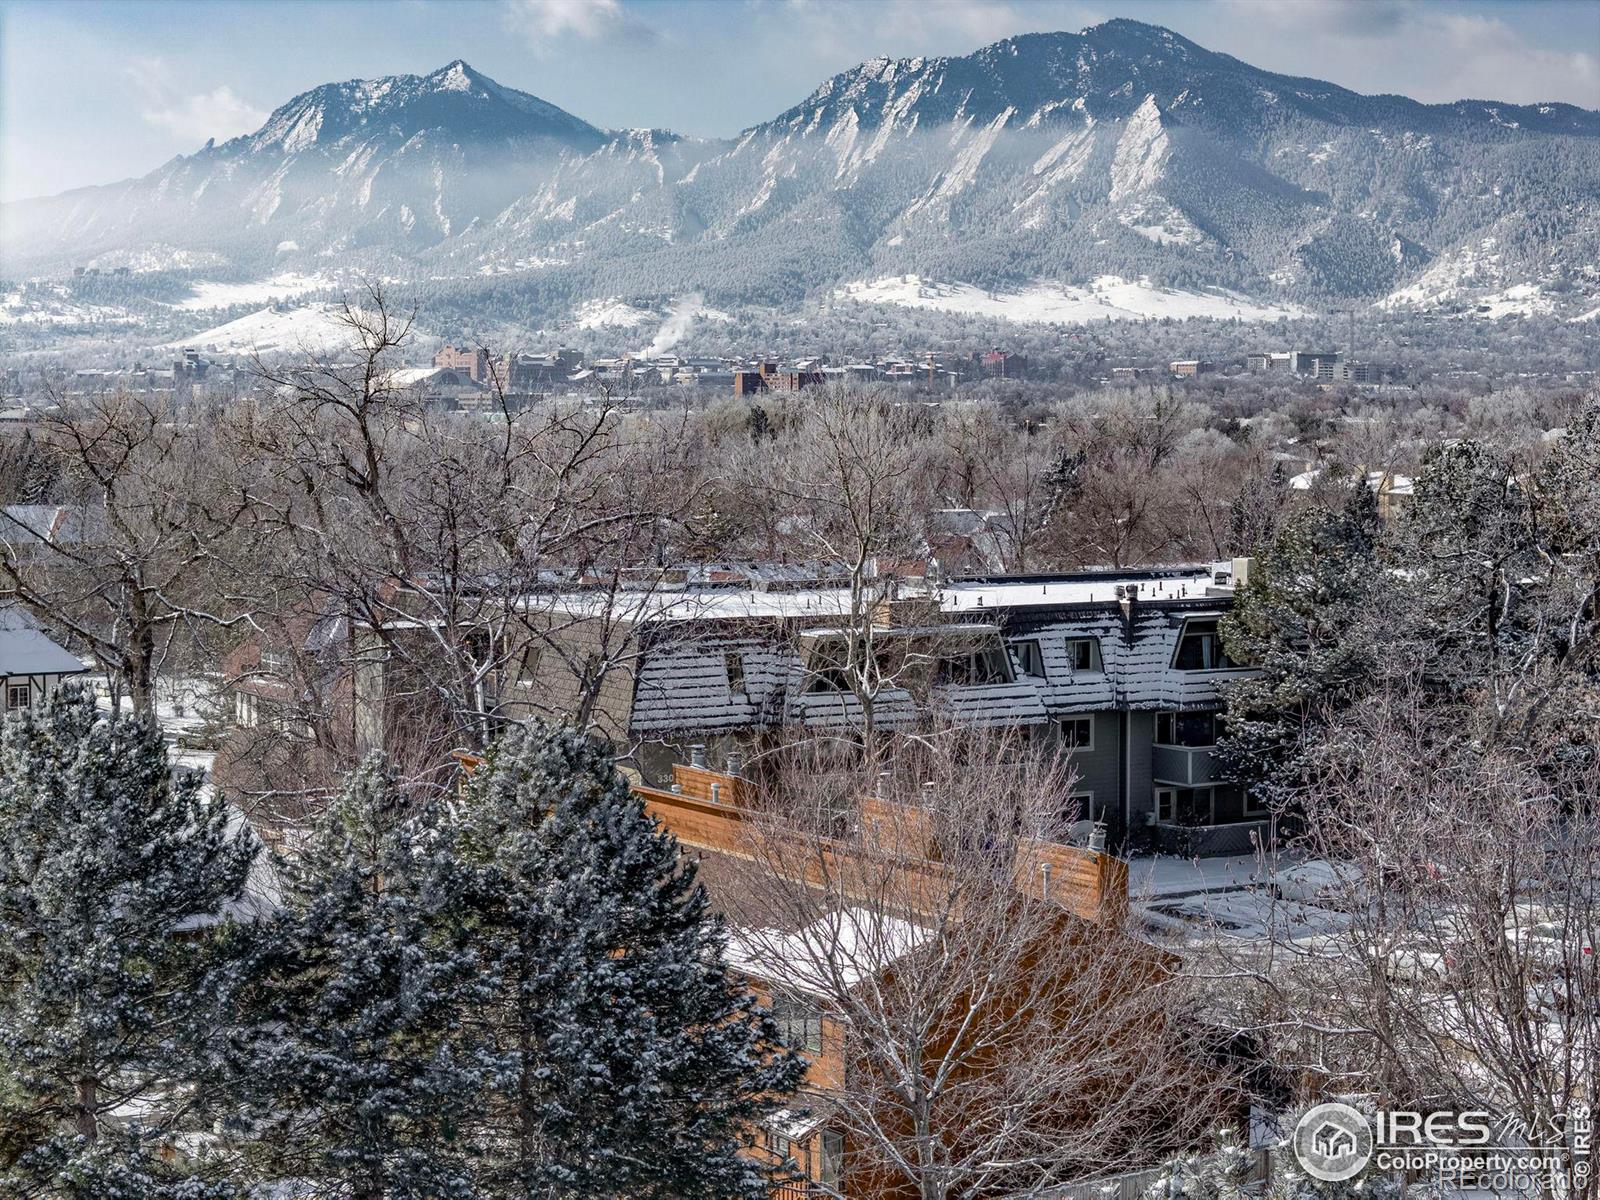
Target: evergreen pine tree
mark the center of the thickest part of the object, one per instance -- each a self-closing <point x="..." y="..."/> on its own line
<point x="115" y="954"/>
<point x="1473" y="562"/>
<point x="1304" y="622"/>
<point x="352" y="1078"/>
<point x="638" y="1065"/>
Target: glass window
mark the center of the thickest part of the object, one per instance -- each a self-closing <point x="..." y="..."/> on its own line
<point x="830" y="668"/>
<point x="828" y="673"/>
<point x="1082" y="806"/>
<point x="832" y="1159"/>
<point x="1200" y="648"/>
<point x="1078" y="732"/>
<point x="799" y="1024"/>
<point x="1187" y="728"/>
<point x="986" y="665"/>
<point x="530" y="666"/>
<point x="1030" y="661"/>
<point x="1084" y="654"/>
<point x="18" y="695"/>
<point x="1184" y="806"/>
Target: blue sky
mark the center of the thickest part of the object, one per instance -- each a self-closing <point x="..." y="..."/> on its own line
<point x="93" y="92"/>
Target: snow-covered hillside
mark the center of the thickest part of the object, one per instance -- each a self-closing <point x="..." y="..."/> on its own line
<point x="1107" y="298"/>
<point x="314" y="329"/>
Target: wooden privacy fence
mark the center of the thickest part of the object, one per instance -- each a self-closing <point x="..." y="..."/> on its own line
<point x="713" y="811"/>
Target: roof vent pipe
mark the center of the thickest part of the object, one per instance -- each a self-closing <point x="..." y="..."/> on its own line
<point x="1044" y="870"/>
<point x="697" y="755"/>
<point x="735" y="762"/>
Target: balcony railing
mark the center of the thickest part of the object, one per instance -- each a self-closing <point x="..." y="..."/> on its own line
<point x="1186" y="766"/>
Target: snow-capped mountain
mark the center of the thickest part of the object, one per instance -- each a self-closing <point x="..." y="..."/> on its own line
<point x="1052" y="160"/>
<point x="399" y="164"/>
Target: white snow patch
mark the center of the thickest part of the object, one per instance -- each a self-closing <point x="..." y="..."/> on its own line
<point x="845" y="946"/>
<point x="159" y="257"/>
<point x="53" y="308"/>
<point x="1141" y="152"/>
<point x="1521" y="300"/>
<point x="314" y="329"/>
<point x="596" y="314"/>
<point x="1110" y="297"/>
<point x="209" y="294"/>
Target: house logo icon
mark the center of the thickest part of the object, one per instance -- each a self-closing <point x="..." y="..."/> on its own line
<point x="1332" y="1142"/>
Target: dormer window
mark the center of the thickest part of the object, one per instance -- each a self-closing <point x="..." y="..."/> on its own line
<point x="984" y="665"/>
<point x="1084" y="654"/>
<point x="1200" y="648"/>
<point x="1029" y="658"/>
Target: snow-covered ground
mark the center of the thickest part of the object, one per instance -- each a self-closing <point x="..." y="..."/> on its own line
<point x="209" y="294"/>
<point x="1108" y="298"/>
<point x="314" y="328"/>
<point x="1522" y="300"/>
<point x="1446" y="277"/>
<point x="1244" y="897"/>
<point x="53" y="308"/>
<point x="596" y="314"/>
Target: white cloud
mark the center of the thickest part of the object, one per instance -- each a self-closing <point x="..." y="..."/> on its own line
<point x="541" y="22"/>
<point x="1430" y="52"/>
<point x="908" y="27"/>
<point x="191" y="116"/>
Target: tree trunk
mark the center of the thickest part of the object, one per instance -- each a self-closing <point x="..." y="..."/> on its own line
<point x="85" y="1114"/>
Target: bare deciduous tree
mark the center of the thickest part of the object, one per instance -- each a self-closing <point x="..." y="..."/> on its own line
<point x="992" y="1039"/>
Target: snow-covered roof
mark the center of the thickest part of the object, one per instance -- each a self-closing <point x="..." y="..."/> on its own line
<point x="839" y="949"/>
<point x="684" y="682"/>
<point x="30" y="652"/>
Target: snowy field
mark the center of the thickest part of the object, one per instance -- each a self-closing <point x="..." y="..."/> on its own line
<point x="1108" y="298"/>
<point x="313" y="328"/>
<point x="208" y="294"/>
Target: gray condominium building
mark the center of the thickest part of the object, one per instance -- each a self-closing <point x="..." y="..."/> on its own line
<point x="1123" y="668"/>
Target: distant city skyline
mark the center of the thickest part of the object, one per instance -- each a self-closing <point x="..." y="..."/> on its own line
<point x="93" y="93"/>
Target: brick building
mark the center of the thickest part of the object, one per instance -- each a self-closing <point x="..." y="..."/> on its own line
<point x="473" y="360"/>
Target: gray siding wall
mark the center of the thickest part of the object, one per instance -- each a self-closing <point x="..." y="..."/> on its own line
<point x="1141" y="794"/>
<point x="1096" y="768"/>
